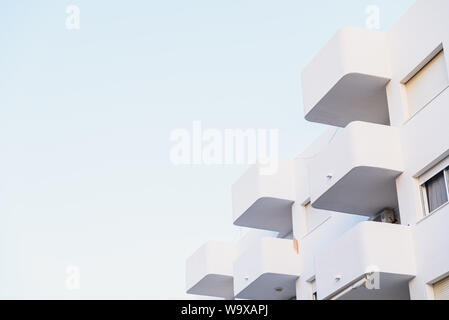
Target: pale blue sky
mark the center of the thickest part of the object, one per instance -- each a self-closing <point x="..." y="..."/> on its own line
<point x="85" y="176"/>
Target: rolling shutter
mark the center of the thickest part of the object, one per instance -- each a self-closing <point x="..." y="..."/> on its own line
<point x="441" y="289"/>
<point x="427" y="83"/>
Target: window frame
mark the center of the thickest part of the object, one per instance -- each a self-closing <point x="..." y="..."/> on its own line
<point x="421" y="70"/>
<point x="424" y="196"/>
<point x="313" y="289"/>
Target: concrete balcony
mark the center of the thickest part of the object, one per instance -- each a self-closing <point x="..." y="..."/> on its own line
<point x="347" y="80"/>
<point x="263" y="200"/>
<point x="209" y="271"/>
<point x="369" y="250"/>
<point x="267" y="270"/>
<point x="356" y="172"/>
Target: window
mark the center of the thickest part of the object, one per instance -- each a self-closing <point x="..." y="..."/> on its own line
<point x="428" y="83"/>
<point x="441" y="289"/>
<point x="314" y="291"/>
<point x="435" y="191"/>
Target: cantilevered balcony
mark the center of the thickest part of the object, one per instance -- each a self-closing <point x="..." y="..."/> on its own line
<point x="347" y="80"/>
<point x="356" y="172"/>
<point x="209" y="271"/>
<point x="262" y="199"/>
<point x="369" y="250"/>
<point x="267" y="270"/>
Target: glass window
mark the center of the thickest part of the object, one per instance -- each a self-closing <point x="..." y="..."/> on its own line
<point x="446" y="173"/>
<point x="436" y="191"/>
<point x="314" y="291"/>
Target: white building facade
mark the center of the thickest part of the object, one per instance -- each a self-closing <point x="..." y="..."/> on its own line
<point x="362" y="213"/>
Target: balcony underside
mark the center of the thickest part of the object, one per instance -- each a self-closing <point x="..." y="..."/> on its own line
<point x="268" y="214"/>
<point x="356" y="97"/>
<point x="209" y="271"/>
<point x="270" y="286"/>
<point x="214" y="285"/>
<point x="363" y="191"/>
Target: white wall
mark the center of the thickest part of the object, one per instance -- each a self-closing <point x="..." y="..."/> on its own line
<point x="413" y="41"/>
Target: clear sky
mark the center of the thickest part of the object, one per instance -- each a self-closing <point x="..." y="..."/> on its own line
<point x="85" y="121"/>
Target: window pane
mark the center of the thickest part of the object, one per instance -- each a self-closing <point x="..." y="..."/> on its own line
<point x="436" y="192"/>
<point x="447" y="178"/>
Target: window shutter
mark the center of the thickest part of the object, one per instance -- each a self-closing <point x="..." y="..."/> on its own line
<point x="427" y="83"/>
<point x="441" y="289"/>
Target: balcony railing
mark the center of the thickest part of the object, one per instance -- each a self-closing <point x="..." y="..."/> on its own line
<point x="263" y="201"/>
<point x="347" y="80"/>
<point x="209" y="271"/>
<point x="377" y="252"/>
<point x="356" y="172"/>
<point x="267" y="270"/>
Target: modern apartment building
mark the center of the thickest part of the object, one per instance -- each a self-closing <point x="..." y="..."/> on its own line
<point x="362" y="213"/>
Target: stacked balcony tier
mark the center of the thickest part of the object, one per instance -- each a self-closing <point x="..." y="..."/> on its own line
<point x="356" y="172"/>
<point x="262" y="198"/>
<point x="370" y="249"/>
<point x="267" y="270"/>
<point x="347" y="80"/>
<point x="209" y="271"/>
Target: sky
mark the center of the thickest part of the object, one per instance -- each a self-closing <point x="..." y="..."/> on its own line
<point x="91" y="205"/>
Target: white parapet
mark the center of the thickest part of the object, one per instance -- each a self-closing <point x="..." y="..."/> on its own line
<point x="263" y="200"/>
<point x="347" y="80"/>
<point x="267" y="270"/>
<point x="370" y="249"/>
<point x="356" y="172"/>
<point x="209" y="271"/>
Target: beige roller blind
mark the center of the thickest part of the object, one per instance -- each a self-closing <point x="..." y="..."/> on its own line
<point x="441" y="289"/>
<point x="427" y="83"/>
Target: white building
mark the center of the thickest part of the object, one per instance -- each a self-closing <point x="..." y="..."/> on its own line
<point x="363" y="213"/>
